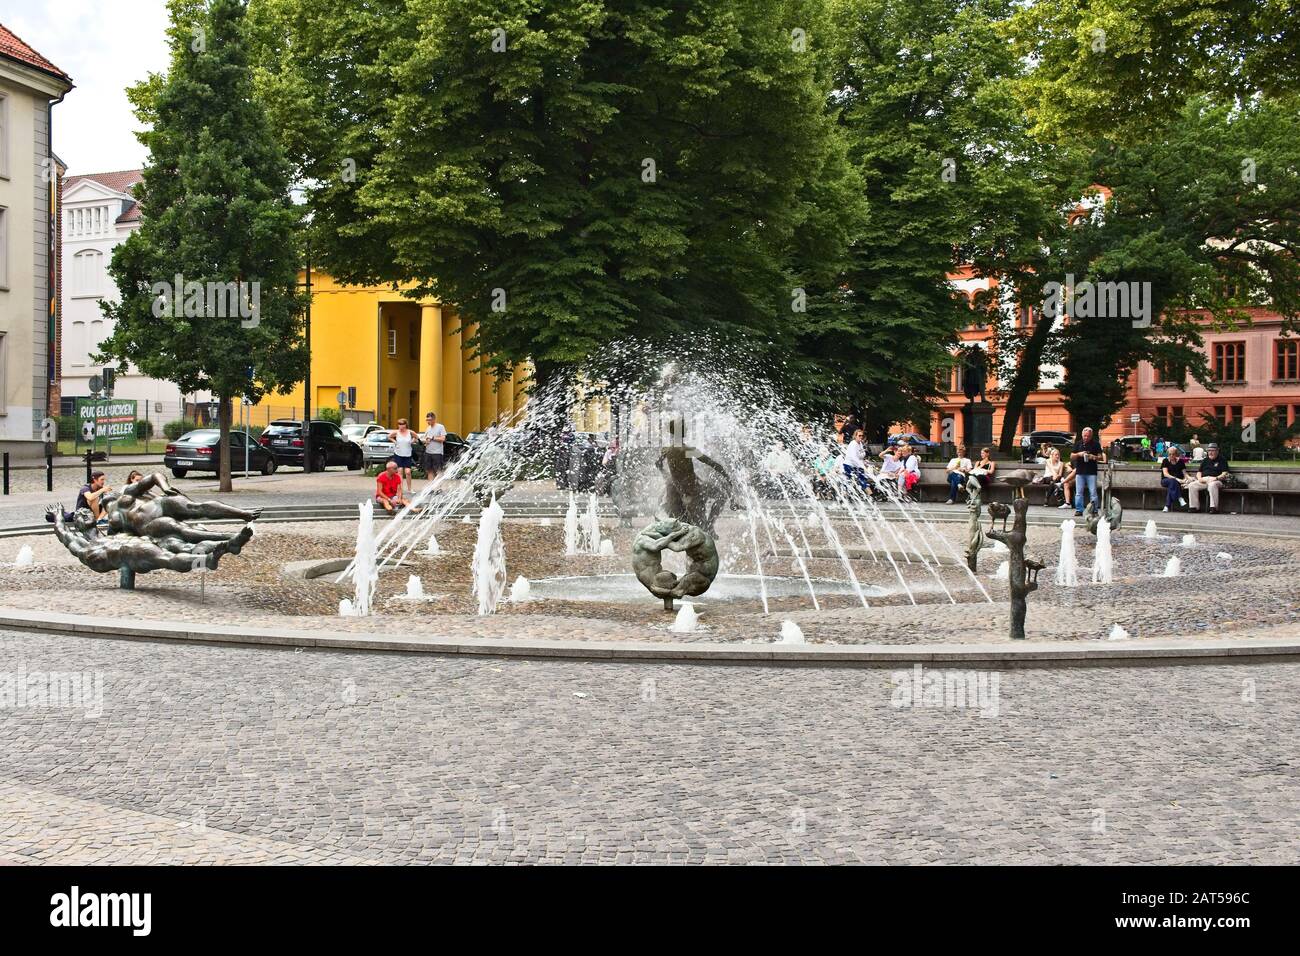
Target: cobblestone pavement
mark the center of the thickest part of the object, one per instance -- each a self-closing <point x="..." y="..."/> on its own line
<point x="209" y="754"/>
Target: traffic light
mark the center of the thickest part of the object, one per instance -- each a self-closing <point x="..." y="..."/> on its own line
<point x="108" y="375"/>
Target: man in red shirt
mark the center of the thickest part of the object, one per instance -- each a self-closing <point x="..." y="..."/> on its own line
<point x="388" y="487"/>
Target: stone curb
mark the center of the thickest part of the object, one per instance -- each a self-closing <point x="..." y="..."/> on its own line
<point x="1148" y="653"/>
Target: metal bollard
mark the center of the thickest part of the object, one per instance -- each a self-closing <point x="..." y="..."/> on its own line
<point x="88" y="457"/>
<point x="49" y="472"/>
<point x="6" y="470"/>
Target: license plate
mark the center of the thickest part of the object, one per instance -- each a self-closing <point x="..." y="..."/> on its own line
<point x="280" y="441"/>
<point x="183" y="461"/>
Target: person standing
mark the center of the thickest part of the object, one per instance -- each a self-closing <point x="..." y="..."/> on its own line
<point x="403" y="440"/>
<point x="855" y="462"/>
<point x="1213" y="468"/>
<point x="435" y="446"/>
<point x="1173" y="476"/>
<point x="958" y="468"/>
<point x="1084" y="459"/>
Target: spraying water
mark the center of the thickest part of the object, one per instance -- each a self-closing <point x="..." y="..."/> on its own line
<point x="25" y="557"/>
<point x="1173" y="567"/>
<point x="1150" y="533"/>
<point x="521" y="590"/>
<point x="433" y="549"/>
<point x="489" y="565"/>
<point x="414" y="588"/>
<point x="791" y="633"/>
<point x="1189" y="541"/>
<point x="687" y="620"/>
<point x="1102" y="564"/>
<point x="365" y="567"/>
<point x="1117" y="633"/>
<point x="1067" y="570"/>
<point x="571" y="527"/>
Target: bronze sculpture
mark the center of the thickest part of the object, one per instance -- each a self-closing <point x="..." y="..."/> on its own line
<point x="1023" y="576"/>
<point x="673" y="535"/>
<point x="973" y="505"/>
<point x="149" y="529"/>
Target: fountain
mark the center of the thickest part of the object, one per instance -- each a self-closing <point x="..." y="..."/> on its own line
<point x="1150" y="533"/>
<point x="1102" y="563"/>
<point x="1002" y="572"/>
<point x="414" y="588"/>
<point x="25" y="558"/>
<point x="521" y="590"/>
<point x="729" y="496"/>
<point x="687" y="620"/>
<point x="1117" y="633"/>
<point x="1067" y="570"/>
<point x="1189" y="541"/>
<point x="365" y="571"/>
<point x="1223" y="557"/>
<point x="433" y="549"/>
<point x="1173" y="567"/>
<point x="489" y="565"/>
<point x="791" y="633"/>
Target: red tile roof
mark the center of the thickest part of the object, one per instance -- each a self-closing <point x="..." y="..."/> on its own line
<point x="11" y="47"/>
<point x="122" y="181"/>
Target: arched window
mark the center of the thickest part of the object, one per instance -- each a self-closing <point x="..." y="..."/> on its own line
<point x="88" y="272"/>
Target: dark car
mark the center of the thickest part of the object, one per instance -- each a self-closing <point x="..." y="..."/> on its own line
<point x="1129" y="448"/>
<point x="197" y="451"/>
<point x="1039" y="437"/>
<point x="913" y="439"/>
<point x="329" y="446"/>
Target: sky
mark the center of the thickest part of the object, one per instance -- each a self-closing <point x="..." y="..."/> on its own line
<point x="105" y="46"/>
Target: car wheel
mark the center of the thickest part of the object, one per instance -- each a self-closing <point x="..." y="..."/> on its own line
<point x="269" y="466"/>
<point x="180" y="472"/>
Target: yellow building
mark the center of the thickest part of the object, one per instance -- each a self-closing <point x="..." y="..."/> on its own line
<point x="394" y="357"/>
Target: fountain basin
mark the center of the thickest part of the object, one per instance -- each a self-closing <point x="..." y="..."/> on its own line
<point x="625" y="588"/>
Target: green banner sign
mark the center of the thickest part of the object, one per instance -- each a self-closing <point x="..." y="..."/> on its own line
<point x="113" y="418"/>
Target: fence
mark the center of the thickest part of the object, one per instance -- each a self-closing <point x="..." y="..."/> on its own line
<point x="157" y="423"/>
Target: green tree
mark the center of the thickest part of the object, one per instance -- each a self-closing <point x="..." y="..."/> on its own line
<point x="571" y="173"/>
<point x="216" y="212"/>
<point x="1119" y="68"/>
<point x="1207" y="233"/>
<point x="950" y="176"/>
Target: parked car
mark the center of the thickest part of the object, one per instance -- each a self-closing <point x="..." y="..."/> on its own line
<point x="1040" y="437"/>
<point x="198" y="451"/>
<point x="913" y="439"/>
<point x="1129" y="448"/>
<point x="329" y="446"/>
<point x="377" y="449"/>
<point x="359" y="433"/>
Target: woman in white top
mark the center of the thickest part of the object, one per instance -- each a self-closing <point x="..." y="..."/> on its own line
<point x="855" y="462"/>
<point x="403" y="440"/>
<point x="911" y="469"/>
<point x="1053" y="472"/>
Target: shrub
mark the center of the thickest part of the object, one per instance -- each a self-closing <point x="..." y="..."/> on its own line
<point x="178" y="427"/>
<point x="143" y="429"/>
<point x="329" y="415"/>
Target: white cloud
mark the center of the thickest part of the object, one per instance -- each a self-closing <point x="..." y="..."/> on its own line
<point x="105" y="46"/>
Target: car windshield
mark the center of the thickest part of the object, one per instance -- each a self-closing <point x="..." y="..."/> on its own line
<point x="283" y="430"/>
<point x="355" y="431"/>
<point x="202" y="437"/>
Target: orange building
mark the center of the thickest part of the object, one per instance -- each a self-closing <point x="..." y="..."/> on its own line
<point x="1256" y="368"/>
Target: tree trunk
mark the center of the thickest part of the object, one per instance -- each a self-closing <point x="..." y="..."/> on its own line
<point x="1028" y="370"/>
<point x="223" y="450"/>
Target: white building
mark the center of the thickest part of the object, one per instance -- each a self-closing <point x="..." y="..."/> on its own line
<point x="99" y="212"/>
<point x="30" y="86"/>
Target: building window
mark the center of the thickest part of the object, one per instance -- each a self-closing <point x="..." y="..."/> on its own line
<point x="958" y="378"/>
<point x="1230" y="361"/>
<point x="87" y="273"/>
<point x="392" y="341"/>
<point x="1176" y="415"/>
<point x="1027" y="317"/>
<point x="77" y="344"/>
<point x="1162" y="414"/>
<point x="1287" y="355"/>
<point x="1028" y="421"/>
<point x="4" y="248"/>
<point x="1221" y="413"/>
<point x="4" y="135"/>
<point x="1236" y="412"/>
<point x="352" y="396"/>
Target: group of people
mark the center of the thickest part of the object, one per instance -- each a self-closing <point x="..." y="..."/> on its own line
<point x="1080" y="472"/>
<point x="960" y="468"/>
<point x="899" y="472"/>
<point x="393" y="485"/>
<point x="1208" y="479"/>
